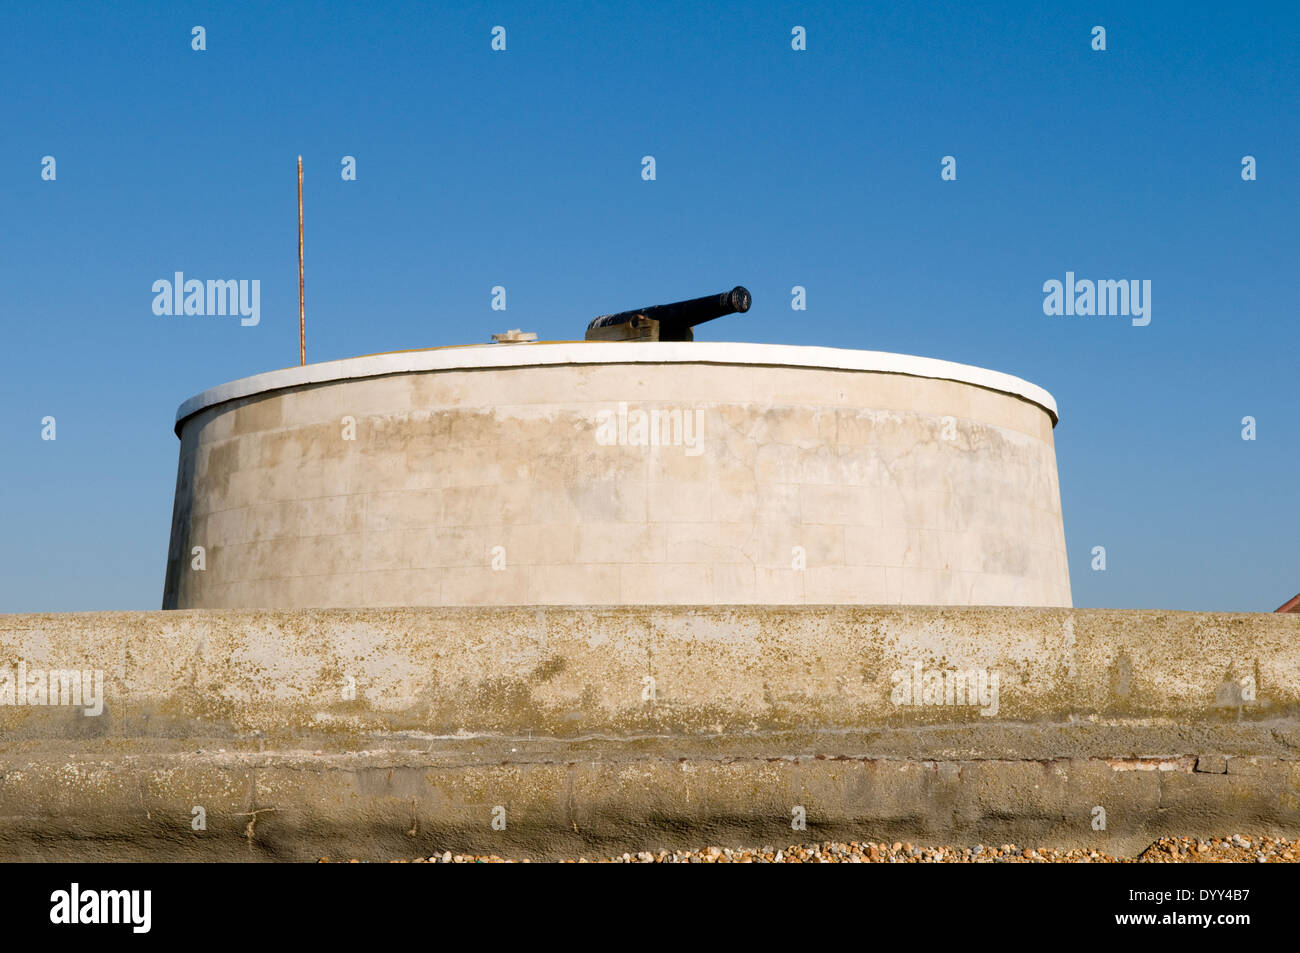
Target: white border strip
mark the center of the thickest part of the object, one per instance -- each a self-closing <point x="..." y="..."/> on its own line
<point x="616" y="352"/>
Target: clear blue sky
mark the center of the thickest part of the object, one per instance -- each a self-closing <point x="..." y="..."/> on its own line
<point x="775" y="168"/>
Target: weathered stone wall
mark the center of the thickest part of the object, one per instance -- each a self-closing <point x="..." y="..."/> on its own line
<point x="395" y="732"/>
<point x="498" y="486"/>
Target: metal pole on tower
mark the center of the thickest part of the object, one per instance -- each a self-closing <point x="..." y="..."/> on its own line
<point x="302" y="308"/>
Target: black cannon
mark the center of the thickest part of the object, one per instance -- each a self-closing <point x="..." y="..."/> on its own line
<point x="668" y="322"/>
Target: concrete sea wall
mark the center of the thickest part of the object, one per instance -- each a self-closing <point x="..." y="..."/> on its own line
<point x="546" y="731"/>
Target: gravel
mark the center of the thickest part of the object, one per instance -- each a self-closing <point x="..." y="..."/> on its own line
<point x="1235" y="848"/>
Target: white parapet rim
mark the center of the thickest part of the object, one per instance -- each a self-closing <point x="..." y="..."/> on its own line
<point x="616" y="352"/>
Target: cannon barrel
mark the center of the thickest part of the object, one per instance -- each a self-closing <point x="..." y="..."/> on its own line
<point x="668" y="322"/>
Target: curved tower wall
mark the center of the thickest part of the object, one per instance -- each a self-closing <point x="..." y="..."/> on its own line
<point x="532" y="474"/>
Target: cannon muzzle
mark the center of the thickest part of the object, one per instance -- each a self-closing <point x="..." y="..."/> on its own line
<point x="668" y="322"/>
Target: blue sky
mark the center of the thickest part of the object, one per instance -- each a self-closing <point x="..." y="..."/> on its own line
<point x="774" y="168"/>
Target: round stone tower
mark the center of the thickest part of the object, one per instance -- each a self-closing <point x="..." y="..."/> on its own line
<point x="616" y="473"/>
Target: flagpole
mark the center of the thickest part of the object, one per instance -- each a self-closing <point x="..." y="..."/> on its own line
<point x="302" y="309"/>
